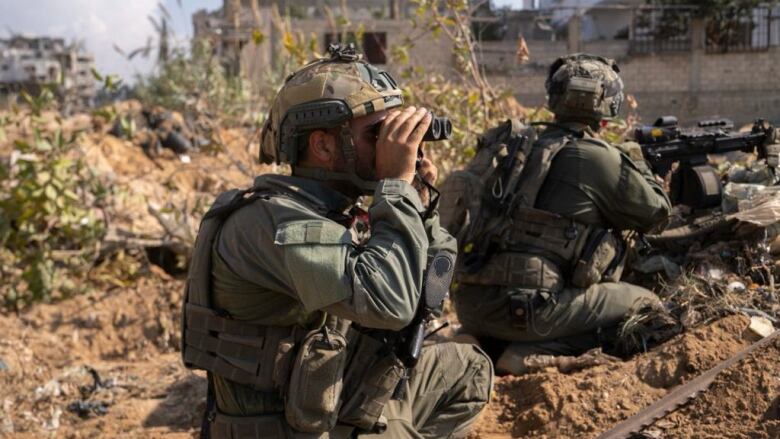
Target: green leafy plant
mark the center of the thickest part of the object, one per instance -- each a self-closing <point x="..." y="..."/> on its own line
<point x="50" y="227"/>
<point x="197" y="82"/>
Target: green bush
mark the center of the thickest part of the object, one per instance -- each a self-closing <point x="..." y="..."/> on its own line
<point x="49" y="228"/>
<point x="196" y="81"/>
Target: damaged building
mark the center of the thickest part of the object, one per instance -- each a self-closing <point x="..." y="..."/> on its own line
<point x="670" y="58"/>
<point x="385" y="23"/>
<point x="28" y="63"/>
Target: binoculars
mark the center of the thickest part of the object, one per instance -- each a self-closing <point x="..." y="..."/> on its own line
<point x="439" y="129"/>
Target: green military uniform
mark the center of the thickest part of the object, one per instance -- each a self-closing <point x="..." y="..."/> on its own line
<point x="294" y="303"/>
<point x="550" y="280"/>
<point x="592" y="184"/>
<point x="265" y="275"/>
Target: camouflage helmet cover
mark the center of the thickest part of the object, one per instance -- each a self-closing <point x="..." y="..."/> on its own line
<point x="324" y="94"/>
<point x="584" y="87"/>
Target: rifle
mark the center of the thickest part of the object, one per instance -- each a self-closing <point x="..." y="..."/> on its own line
<point x="435" y="289"/>
<point x="695" y="183"/>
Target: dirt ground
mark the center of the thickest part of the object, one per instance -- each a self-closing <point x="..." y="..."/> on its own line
<point x="129" y="337"/>
<point x="583" y="404"/>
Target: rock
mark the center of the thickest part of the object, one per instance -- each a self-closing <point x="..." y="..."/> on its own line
<point x="761" y="326"/>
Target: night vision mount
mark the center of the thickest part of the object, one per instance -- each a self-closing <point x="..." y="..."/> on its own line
<point x="343" y="52"/>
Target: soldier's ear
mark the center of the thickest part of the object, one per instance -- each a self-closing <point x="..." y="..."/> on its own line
<point x="323" y="148"/>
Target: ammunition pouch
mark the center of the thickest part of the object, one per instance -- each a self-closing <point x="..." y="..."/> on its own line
<point x="313" y="396"/>
<point x="540" y="250"/>
<point x="602" y="260"/>
<point x="345" y="379"/>
<point x="369" y="383"/>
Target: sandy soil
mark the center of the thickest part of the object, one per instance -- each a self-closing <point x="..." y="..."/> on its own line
<point x="129" y="337"/>
<point x="583" y="404"/>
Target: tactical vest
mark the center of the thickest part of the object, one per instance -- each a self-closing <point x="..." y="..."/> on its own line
<point x="329" y="375"/>
<point x="489" y="207"/>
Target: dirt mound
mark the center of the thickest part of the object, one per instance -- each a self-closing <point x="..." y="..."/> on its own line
<point x="100" y="365"/>
<point x="583" y="404"/>
<point x="744" y="401"/>
<point x="162" y="198"/>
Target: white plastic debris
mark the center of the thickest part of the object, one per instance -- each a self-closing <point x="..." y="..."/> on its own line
<point x="185" y="158"/>
<point x="716" y="274"/>
<point x="761" y="326"/>
<point x="736" y="286"/>
<point x="7" y="424"/>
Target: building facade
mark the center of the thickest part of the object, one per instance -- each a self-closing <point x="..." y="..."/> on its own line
<point x="671" y="61"/>
<point x="27" y="63"/>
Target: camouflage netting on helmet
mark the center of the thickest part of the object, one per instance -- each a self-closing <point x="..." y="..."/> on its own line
<point x="585" y="88"/>
<point x="324" y="94"/>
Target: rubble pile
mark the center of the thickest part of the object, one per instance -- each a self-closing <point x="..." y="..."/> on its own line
<point x="164" y="191"/>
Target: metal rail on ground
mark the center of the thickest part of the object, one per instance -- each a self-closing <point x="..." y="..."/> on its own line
<point x="680" y="394"/>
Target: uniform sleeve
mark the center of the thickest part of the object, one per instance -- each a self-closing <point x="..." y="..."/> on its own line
<point x="384" y="276"/>
<point x="626" y="192"/>
<point x="284" y="246"/>
<point x="439" y="238"/>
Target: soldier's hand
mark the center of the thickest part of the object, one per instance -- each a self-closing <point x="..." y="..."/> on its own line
<point x="428" y="172"/>
<point x="399" y="138"/>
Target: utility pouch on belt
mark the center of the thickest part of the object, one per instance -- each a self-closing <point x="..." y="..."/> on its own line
<point x="601" y="259"/>
<point x="369" y="385"/>
<point x="314" y="392"/>
<point x="521" y="305"/>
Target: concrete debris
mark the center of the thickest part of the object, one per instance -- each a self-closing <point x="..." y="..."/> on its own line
<point x="51" y="389"/>
<point x="7" y="424"/>
<point x="761" y="326"/>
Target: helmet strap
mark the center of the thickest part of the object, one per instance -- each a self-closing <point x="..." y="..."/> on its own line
<point x="351" y="176"/>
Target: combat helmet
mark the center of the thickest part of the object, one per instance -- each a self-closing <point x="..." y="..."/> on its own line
<point x="584" y="87"/>
<point x="326" y="94"/>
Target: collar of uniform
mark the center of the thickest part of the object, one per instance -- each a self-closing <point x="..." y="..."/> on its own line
<point x="569" y="127"/>
<point x="313" y="191"/>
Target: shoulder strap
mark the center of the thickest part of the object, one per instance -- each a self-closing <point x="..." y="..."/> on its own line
<point x="535" y="172"/>
<point x="210" y="340"/>
<point x="200" y="264"/>
<point x="520" y="142"/>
